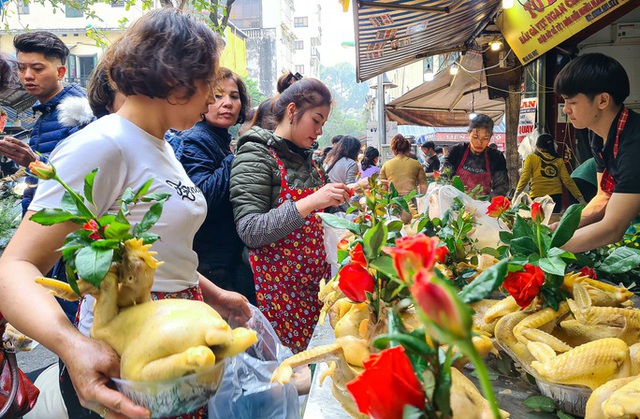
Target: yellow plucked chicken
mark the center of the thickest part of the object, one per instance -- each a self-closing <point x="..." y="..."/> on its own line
<point x="156" y="340"/>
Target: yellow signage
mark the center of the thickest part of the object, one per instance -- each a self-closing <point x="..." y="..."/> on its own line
<point x="533" y="27"/>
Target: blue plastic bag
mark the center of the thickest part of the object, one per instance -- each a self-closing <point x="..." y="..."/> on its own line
<point x="246" y="390"/>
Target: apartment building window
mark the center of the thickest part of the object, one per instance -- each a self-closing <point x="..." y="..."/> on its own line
<point x="300" y="69"/>
<point x="74" y="9"/>
<point x="117" y="3"/>
<point x="23" y="8"/>
<point x="298" y="45"/>
<point x="300" y="22"/>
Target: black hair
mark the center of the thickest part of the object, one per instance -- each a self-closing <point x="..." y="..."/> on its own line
<point x="592" y="74"/>
<point x="304" y="94"/>
<point x="481" y="121"/>
<point x="100" y="92"/>
<point x="43" y="42"/>
<point x="245" y="101"/>
<point x="164" y="53"/>
<point x="370" y="154"/>
<point x="263" y="116"/>
<point x="428" y="145"/>
<point x="336" y="139"/>
<point x="545" y="143"/>
<point x="348" y="147"/>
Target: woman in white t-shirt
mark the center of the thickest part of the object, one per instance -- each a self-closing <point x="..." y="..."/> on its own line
<point x="164" y="64"/>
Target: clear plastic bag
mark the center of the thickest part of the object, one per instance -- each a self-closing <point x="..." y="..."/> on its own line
<point x="246" y="390"/>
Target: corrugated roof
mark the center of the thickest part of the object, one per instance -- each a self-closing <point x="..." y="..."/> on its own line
<point x="394" y="33"/>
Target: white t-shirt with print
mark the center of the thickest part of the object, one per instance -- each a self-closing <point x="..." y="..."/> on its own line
<point x="127" y="157"/>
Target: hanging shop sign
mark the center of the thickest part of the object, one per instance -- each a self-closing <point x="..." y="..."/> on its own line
<point x="533" y="27"/>
<point x="527" y="121"/>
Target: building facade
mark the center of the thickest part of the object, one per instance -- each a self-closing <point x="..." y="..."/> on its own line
<point x="307" y="28"/>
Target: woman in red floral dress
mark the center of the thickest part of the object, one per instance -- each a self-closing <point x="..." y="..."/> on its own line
<point x="276" y="191"/>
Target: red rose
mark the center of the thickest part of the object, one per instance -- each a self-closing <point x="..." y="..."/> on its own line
<point x="42" y="170"/>
<point x="537" y="214"/>
<point x="94" y="228"/>
<point x="357" y="255"/>
<point x="524" y="285"/>
<point x="436" y="175"/>
<point x="499" y="204"/>
<point x="351" y="192"/>
<point x="587" y="271"/>
<point x="354" y="281"/>
<point x="411" y="254"/>
<point x="386" y="385"/>
<point x="441" y="254"/>
<point x="441" y="305"/>
<point x="343" y="244"/>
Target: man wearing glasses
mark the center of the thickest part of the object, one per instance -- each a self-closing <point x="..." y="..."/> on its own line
<point x="477" y="164"/>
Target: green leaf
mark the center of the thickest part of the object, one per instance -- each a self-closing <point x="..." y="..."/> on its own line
<point x="622" y="259"/>
<point x="562" y="415"/>
<point x="128" y="196"/>
<point x="395" y="225"/>
<point x="521" y="228"/>
<point x="523" y="245"/>
<point x="117" y="229"/>
<point x="457" y="183"/>
<point x="567" y="225"/>
<point x="552" y="265"/>
<point x="51" y="216"/>
<point x="540" y="404"/>
<point x="148" y="237"/>
<point x="485" y="283"/>
<point x="88" y="185"/>
<point x="142" y="190"/>
<point x="410" y="343"/>
<point x="93" y="264"/>
<point x="374" y="238"/>
<point x="106" y="244"/>
<point x="157" y="196"/>
<point x="69" y="204"/>
<point x="506" y="237"/>
<point x="149" y="219"/>
<point x="561" y="253"/>
<point x="339" y="222"/>
<point x="383" y="264"/>
<point x="399" y="201"/>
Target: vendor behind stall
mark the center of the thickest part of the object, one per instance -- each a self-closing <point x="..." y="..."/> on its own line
<point x="476" y="163"/>
<point x="594" y="87"/>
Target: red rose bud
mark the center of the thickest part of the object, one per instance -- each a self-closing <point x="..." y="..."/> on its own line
<point x="386" y="385"/>
<point x="94" y="228"/>
<point x="411" y="254"/>
<point x="441" y="254"/>
<point x="436" y="175"/>
<point x="357" y="255"/>
<point x="587" y="271"/>
<point x="441" y="305"/>
<point x="351" y="192"/>
<point x="343" y="244"/>
<point x="499" y="204"/>
<point x="42" y="170"/>
<point x="355" y="281"/>
<point x="537" y="214"/>
<point x="525" y="285"/>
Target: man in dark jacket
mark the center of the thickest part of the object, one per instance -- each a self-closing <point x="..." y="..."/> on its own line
<point x="41" y="58"/>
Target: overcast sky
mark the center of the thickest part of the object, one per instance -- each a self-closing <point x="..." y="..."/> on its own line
<point x="337" y="27"/>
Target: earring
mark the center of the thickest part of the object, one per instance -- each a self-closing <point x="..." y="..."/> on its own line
<point x="291" y="121"/>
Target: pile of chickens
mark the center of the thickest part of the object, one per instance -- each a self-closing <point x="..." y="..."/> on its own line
<point x="156" y="340"/>
<point x="590" y="341"/>
<point x="355" y="327"/>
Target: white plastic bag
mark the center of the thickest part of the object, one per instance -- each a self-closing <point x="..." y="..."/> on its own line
<point x="546" y="202"/>
<point x="439" y="198"/>
<point x="246" y="390"/>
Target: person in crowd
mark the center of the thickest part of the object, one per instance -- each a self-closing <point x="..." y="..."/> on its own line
<point x="103" y="97"/>
<point x="545" y="171"/>
<point x="432" y="163"/>
<point x="276" y="191"/>
<point x="405" y="173"/>
<point x="263" y="117"/>
<point x="324" y="153"/>
<point x="246" y="125"/>
<point x="326" y="162"/>
<point x="207" y="159"/>
<point x="369" y="163"/>
<point x="586" y="179"/>
<point x="41" y="58"/>
<point x="475" y="163"/>
<point x="165" y="65"/>
<point x="8" y="72"/>
<point x="594" y="87"/>
<point x="343" y="167"/>
<point x="440" y="154"/>
<point x="287" y="79"/>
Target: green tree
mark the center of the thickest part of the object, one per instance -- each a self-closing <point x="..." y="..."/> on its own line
<point x="348" y="116"/>
<point x="254" y="92"/>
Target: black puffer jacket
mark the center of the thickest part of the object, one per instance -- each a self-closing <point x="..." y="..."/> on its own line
<point x="255" y="186"/>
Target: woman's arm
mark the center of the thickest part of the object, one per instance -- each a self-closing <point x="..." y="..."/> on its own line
<point x="227" y="303"/>
<point x="36" y="313"/>
<point x="569" y="182"/>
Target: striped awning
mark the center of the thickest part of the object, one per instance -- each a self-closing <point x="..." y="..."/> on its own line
<point x="394" y="33"/>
